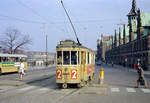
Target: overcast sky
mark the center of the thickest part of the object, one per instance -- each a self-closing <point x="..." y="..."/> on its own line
<point x="90" y="17"/>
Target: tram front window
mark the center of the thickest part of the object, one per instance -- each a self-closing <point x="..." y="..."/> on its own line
<point x="66" y="57"/>
<point x="59" y="57"/>
<point x="74" y="57"/>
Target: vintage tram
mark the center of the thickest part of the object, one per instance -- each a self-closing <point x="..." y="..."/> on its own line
<point x="11" y="62"/>
<point x="75" y="64"/>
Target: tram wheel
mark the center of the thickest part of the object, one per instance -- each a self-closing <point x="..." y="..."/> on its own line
<point x="64" y="85"/>
<point x="79" y="85"/>
<point x="86" y="83"/>
<point x="83" y="83"/>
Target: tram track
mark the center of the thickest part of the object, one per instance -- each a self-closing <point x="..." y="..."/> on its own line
<point x="26" y="89"/>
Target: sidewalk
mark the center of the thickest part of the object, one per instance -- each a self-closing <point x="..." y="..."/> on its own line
<point x="127" y="68"/>
<point x="27" y="79"/>
<point x="39" y="67"/>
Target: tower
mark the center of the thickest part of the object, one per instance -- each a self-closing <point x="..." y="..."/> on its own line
<point x="132" y="19"/>
<point x="119" y="36"/>
<point x="115" y="41"/>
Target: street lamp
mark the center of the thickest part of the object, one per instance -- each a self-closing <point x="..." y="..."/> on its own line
<point x="46" y="44"/>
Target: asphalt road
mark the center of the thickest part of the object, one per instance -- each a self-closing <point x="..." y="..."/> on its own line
<point x="118" y="88"/>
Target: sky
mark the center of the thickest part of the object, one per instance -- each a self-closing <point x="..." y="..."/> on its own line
<point x="91" y="18"/>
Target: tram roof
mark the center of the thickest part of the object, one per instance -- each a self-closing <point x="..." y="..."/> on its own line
<point x="12" y="55"/>
<point x="70" y="44"/>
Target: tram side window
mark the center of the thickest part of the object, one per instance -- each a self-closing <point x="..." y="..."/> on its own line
<point x="74" y="57"/>
<point x="88" y="58"/>
<point x="11" y="59"/>
<point x="66" y="57"/>
<point x="59" y="57"/>
<point x="16" y="59"/>
<point x="78" y="57"/>
<point x="0" y="59"/>
<point x="4" y="59"/>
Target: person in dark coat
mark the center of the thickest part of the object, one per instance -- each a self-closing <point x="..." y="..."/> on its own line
<point x="141" y="80"/>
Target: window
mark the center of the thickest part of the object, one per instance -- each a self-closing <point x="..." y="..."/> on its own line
<point x="4" y="59"/>
<point x="79" y="57"/>
<point x="88" y="57"/>
<point x="74" y="55"/>
<point x="66" y="57"/>
<point x="17" y="59"/>
<point x="59" y="57"/>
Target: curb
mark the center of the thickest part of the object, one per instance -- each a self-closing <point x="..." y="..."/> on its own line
<point x="28" y="82"/>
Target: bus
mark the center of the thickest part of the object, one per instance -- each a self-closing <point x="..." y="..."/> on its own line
<point x="11" y="62"/>
<point x="75" y="64"/>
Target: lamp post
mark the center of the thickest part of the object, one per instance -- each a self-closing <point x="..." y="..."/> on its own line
<point x="46" y="44"/>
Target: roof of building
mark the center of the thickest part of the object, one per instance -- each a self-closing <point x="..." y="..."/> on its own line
<point x="12" y="55"/>
<point x="145" y="19"/>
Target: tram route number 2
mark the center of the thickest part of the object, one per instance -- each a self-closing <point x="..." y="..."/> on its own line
<point x="74" y="74"/>
<point x="59" y="73"/>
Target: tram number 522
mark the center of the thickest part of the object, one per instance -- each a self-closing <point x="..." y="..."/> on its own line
<point x="59" y="73"/>
<point x="74" y="74"/>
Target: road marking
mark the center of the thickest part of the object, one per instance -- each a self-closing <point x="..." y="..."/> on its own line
<point x="145" y="90"/>
<point x="131" y="90"/>
<point x="27" y="88"/>
<point x="115" y="90"/>
<point x="44" y="89"/>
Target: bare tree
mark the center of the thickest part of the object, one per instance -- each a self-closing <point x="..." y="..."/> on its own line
<point x="13" y="39"/>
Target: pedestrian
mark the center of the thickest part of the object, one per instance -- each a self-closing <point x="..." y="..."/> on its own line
<point x="21" y="70"/>
<point x="141" y="80"/>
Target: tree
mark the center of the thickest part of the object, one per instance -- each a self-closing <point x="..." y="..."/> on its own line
<point x="13" y="40"/>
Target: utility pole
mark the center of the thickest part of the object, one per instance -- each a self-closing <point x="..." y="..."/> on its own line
<point x="46" y="53"/>
<point x="46" y="44"/>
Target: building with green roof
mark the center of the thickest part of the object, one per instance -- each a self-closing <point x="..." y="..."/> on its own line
<point x="132" y="43"/>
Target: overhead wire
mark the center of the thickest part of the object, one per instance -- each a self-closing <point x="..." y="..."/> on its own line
<point x="29" y="8"/>
<point x="21" y="20"/>
<point x="59" y="22"/>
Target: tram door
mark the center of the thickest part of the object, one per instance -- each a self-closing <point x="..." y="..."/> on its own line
<point x="83" y="61"/>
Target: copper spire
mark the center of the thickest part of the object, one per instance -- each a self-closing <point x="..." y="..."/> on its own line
<point x="133" y="9"/>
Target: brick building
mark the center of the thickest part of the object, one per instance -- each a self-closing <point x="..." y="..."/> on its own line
<point x="131" y="44"/>
<point x="102" y="47"/>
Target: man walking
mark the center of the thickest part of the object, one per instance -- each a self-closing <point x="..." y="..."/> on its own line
<point x="141" y="80"/>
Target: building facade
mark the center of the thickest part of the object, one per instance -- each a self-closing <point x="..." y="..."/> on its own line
<point x="40" y="58"/>
<point x="132" y="44"/>
<point x="102" y="47"/>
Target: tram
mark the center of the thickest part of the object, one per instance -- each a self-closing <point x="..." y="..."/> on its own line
<point x="11" y="62"/>
<point x="75" y="64"/>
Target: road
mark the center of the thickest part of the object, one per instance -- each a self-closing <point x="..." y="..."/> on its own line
<point x="118" y="88"/>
